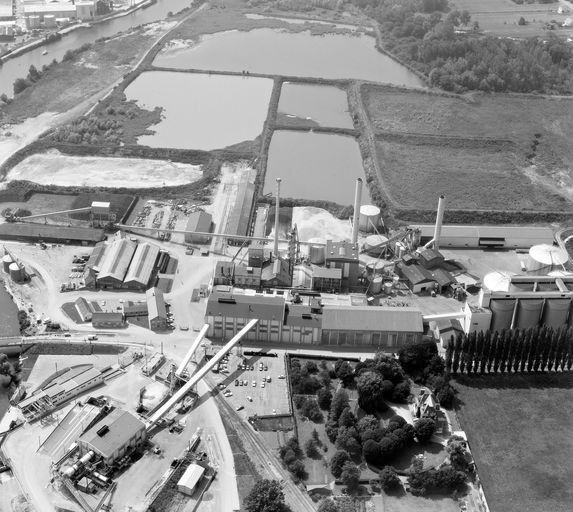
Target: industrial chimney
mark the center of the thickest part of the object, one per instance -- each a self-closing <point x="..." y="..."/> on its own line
<point x="439" y="219"/>
<point x="276" y="247"/>
<point x="357" y="204"/>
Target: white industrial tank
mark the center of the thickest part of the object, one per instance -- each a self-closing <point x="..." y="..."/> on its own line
<point x="376" y="285"/>
<point x="369" y="218"/>
<point x="497" y="281"/>
<point x="16" y="272"/>
<point x="375" y="244"/>
<point x="376" y="267"/>
<point x="6" y="262"/>
<point x="544" y="258"/>
<point x="316" y="252"/>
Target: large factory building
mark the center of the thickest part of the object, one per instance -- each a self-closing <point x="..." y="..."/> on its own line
<point x="280" y="320"/>
<point x="504" y="237"/>
<point x="113" y="436"/>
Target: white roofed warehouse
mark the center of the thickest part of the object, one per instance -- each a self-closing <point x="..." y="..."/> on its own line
<point x="113" y="436"/>
<point x="192" y="476"/>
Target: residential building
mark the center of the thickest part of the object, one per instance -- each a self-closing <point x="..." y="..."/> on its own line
<point x="426" y="405"/>
<point x="113" y="436"/>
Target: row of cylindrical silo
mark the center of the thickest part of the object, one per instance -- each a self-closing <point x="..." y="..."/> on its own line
<point x="530" y="313"/>
<point x="13" y="268"/>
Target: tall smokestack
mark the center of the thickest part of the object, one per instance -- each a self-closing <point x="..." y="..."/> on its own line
<point x="439" y="219"/>
<point x="276" y="248"/>
<point x="355" y="218"/>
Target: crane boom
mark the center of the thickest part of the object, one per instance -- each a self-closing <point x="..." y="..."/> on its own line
<point x="166" y="407"/>
<point x="192" y="350"/>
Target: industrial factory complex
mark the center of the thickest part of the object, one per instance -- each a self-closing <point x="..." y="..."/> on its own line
<point x="217" y="286"/>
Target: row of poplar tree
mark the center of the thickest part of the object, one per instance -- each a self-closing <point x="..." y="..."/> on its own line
<point x="517" y="350"/>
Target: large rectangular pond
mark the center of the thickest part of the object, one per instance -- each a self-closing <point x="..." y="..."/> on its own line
<point x="202" y="111"/>
<point x="278" y="52"/>
<point x="314" y="166"/>
<point x="326" y="106"/>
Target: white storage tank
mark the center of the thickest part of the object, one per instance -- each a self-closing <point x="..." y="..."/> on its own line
<point x="6" y="262"/>
<point x="544" y="258"/>
<point x="376" y="285"/>
<point x="376" y="267"/>
<point x="369" y="218"/>
<point x="316" y="252"/>
<point x="387" y="286"/>
<point x="16" y="272"/>
<point x="375" y="244"/>
<point x="497" y="281"/>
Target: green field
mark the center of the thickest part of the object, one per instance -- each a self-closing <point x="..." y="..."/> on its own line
<point x="506" y="152"/>
<point x="520" y="432"/>
<point x="500" y="17"/>
<point x="42" y="203"/>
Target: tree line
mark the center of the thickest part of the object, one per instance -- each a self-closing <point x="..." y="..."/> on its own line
<point x="456" y="56"/>
<point x="511" y="350"/>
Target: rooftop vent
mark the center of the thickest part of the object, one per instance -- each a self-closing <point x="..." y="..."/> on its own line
<point x="103" y="431"/>
<point x="226" y="301"/>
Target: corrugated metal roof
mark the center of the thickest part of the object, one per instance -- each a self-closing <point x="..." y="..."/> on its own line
<point x="199" y="221"/>
<point x="191" y="476"/>
<point x="106" y="316"/>
<point x="246" y="306"/>
<point x="326" y="273"/>
<point x="462" y="230"/>
<point x="50" y="231"/>
<point x="301" y="316"/>
<point x="122" y="427"/>
<point x="442" y="277"/>
<point x="238" y="219"/>
<point x="415" y="274"/>
<point x="371" y="318"/>
<point x="142" y="264"/>
<point x="344" y="251"/>
<point x="155" y="304"/>
<point x="117" y="259"/>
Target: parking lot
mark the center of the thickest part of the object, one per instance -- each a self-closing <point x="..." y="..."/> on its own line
<point x="254" y="384"/>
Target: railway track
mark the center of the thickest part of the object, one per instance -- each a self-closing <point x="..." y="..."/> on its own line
<point x="265" y="459"/>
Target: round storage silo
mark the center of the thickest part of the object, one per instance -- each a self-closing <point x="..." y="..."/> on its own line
<point x="497" y="281"/>
<point x="376" y="285"/>
<point x="387" y="287"/>
<point x="369" y="218"/>
<point x="501" y="313"/>
<point x="555" y="312"/>
<point x="6" y="262"/>
<point x="15" y="272"/>
<point x="316" y="252"/>
<point x="528" y="313"/>
<point x="375" y="244"/>
<point x="544" y="258"/>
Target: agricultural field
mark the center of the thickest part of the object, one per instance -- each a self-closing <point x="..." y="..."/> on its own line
<point x="500" y="17"/>
<point x="519" y="142"/>
<point x="519" y="429"/>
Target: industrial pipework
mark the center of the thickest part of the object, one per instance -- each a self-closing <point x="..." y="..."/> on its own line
<point x="357" y="204"/>
<point x="276" y="247"/>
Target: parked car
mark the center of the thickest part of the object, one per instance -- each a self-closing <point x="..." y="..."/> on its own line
<point x="240" y="408"/>
<point x="236" y="382"/>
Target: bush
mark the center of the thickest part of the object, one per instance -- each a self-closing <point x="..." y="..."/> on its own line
<point x="311" y="410"/>
<point x="424" y="429"/>
<point x="397" y="420"/>
<point x="337" y="462"/>
<point x="389" y="480"/>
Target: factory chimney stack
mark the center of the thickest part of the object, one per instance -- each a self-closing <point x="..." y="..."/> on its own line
<point x="439" y="219"/>
<point x="276" y="247"/>
<point x="357" y="204"/>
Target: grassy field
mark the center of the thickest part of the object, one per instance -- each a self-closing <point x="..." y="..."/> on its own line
<point x="434" y="143"/>
<point x="409" y="503"/>
<point x="500" y="17"/>
<point x="519" y="429"/>
<point x="42" y="203"/>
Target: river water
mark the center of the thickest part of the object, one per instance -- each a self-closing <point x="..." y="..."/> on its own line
<point x="314" y="166"/>
<point x="18" y="67"/>
<point x="202" y="111"/>
<point x="278" y="52"/>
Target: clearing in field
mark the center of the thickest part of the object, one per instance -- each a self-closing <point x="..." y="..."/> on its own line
<point x="53" y="168"/>
<point x="473" y="176"/>
<point x="519" y="429"/>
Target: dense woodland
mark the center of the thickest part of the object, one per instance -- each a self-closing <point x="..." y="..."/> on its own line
<point x="511" y="350"/>
<point x="447" y="47"/>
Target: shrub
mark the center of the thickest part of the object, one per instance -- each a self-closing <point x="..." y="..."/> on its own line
<point x="324" y="398"/>
<point x="311" y="410"/>
<point x="337" y="462"/>
<point x="389" y="480"/>
<point x="350" y="476"/>
<point x="371" y="451"/>
<point x="424" y="429"/>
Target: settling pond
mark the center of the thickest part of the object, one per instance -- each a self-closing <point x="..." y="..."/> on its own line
<point x="202" y="111"/>
<point x="278" y="52"/>
<point x="326" y="106"/>
<point x="314" y="166"/>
